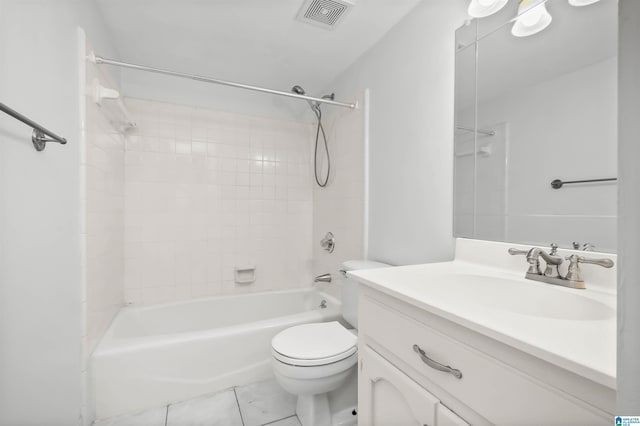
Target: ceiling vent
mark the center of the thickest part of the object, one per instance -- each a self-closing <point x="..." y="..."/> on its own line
<point x="324" y="13"/>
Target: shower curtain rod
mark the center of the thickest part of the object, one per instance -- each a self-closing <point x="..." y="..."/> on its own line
<point x="101" y="60"/>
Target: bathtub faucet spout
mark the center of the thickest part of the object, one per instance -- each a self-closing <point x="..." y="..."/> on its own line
<point x="324" y="278"/>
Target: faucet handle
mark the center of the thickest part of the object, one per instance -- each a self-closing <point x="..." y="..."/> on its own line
<point x="573" y="273"/>
<point x="554" y="249"/>
<point x="534" y="263"/>
<point x="328" y="243"/>
<point x="605" y="263"/>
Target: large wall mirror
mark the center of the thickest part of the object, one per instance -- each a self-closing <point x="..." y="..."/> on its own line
<point x="533" y="110"/>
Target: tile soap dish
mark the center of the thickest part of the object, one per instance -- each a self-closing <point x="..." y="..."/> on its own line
<point x="245" y="274"/>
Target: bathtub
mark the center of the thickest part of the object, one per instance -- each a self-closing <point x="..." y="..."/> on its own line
<point x="156" y="355"/>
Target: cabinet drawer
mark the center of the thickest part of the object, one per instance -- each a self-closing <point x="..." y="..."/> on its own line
<point x="494" y="390"/>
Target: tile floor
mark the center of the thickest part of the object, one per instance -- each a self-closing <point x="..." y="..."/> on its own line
<point x="257" y="404"/>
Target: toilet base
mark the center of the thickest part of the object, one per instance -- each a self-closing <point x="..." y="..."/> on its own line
<point x="314" y="410"/>
<point x="334" y="408"/>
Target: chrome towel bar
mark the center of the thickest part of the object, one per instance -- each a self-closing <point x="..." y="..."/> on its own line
<point x="557" y="183"/>
<point x="39" y="134"/>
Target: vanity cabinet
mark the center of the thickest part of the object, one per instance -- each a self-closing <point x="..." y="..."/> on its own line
<point x="488" y="382"/>
<point x="389" y="397"/>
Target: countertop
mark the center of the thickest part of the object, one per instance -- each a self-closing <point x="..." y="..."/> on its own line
<point x="576" y="330"/>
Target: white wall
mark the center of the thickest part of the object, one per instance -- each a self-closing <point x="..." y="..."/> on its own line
<point x="628" y="396"/>
<point x="207" y="191"/>
<point x="410" y="73"/>
<point x="40" y="262"/>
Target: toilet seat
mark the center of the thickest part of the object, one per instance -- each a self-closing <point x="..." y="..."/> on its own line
<point x="314" y="344"/>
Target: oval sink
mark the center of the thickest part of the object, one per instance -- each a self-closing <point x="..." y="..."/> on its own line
<point x="524" y="298"/>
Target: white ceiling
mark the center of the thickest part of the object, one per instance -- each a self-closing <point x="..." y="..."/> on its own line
<point x="250" y="41"/>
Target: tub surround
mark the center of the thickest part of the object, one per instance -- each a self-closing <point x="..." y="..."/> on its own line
<point x="564" y="338"/>
<point x="102" y="201"/>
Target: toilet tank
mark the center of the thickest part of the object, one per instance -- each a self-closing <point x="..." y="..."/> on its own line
<point x="350" y="288"/>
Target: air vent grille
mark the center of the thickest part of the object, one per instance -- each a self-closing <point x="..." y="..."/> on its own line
<point x="323" y="12"/>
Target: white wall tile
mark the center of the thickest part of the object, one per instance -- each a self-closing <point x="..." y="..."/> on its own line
<point x="338" y="207"/>
<point x="105" y="198"/>
<point x="200" y="190"/>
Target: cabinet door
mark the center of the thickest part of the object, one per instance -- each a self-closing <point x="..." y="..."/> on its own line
<point x="446" y="417"/>
<point x="387" y="396"/>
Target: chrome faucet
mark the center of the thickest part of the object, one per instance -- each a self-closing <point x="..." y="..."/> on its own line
<point x="533" y="257"/>
<point x="551" y="274"/>
<point x="324" y="278"/>
<point x="584" y="246"/>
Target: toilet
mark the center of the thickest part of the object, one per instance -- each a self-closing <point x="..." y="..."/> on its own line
<point x="317" y="362"/>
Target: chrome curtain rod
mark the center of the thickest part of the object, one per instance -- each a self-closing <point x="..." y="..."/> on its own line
<point x="101" y="60"/>
<point x="39" y="134"/>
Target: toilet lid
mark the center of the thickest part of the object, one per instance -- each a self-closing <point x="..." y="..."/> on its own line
<point x="314" y="344"/>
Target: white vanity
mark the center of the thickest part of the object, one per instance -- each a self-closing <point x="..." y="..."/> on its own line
<point x="472" y="342"/>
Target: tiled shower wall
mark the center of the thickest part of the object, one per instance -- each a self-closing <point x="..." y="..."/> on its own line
<point x="209" y="191"/>
<point x="339" y="207"/>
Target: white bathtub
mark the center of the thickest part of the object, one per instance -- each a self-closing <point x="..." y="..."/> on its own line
<point x="157" y="355"/>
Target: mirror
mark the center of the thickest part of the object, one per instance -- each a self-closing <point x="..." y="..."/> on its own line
<point x="532" y="110"/>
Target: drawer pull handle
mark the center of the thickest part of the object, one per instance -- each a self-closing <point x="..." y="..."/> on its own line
<point x="435" y="364"/>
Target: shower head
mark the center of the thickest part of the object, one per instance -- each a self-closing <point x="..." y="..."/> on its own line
<point x="298" y="90"/>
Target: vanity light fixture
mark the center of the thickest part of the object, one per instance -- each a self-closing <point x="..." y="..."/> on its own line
<point x="483" y="8"/>
<point x="582" y="2"/>
<point x="533" y="17"/>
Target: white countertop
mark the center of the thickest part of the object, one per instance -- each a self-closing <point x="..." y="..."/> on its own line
<point x="573" y="329"/>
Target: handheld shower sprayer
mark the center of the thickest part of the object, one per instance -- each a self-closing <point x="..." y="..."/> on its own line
<point x="315" y="107"/>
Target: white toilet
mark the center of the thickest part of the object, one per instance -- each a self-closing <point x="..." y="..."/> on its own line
<point x="317" y="362"/>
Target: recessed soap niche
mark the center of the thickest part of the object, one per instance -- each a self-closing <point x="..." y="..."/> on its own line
<point x="245" y="274"/>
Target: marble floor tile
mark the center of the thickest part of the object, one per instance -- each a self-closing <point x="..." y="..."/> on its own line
<point x="152" y="417"/>
<point x="289" y="421"/>
<point x="220" y="409"/>
<point x="264" y="402"/>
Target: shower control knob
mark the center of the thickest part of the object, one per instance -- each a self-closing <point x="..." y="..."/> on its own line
<point x="328" y="242"/>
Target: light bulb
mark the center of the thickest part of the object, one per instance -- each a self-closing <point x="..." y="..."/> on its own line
<point x="582" y="2"/>
<point x="483" y="8"/>
<point x="533" y="17"/>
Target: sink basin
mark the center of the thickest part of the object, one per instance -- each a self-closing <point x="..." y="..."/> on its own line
<point x="522" y="297"/>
